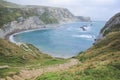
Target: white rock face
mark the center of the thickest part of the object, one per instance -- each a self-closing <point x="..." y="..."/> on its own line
<point x="31" y="23"/>
<point x="61" y="14"/>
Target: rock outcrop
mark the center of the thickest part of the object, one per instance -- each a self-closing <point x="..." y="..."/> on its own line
<point x="112" y="25"/>
<point x="14" y="26"/>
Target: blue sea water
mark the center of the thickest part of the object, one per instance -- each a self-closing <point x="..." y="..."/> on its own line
<point x="66" y="41"/>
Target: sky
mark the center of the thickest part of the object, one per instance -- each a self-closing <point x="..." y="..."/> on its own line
<point x="96" y="9"/>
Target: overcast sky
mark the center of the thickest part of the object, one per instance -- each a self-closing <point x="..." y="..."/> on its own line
<point x="96" y="9"/>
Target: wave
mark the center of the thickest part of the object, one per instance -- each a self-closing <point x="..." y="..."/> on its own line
<point x="84" y="36"/>
<point x="11" y="39"/>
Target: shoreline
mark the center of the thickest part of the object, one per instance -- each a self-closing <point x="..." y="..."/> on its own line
<point x="11" y="35"/>
<point x="47" y="26"/>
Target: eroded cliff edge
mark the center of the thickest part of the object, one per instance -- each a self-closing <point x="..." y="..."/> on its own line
<point x="112" y="25"/>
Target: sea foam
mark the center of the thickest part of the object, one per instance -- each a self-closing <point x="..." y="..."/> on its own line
<point x="84" y="36"/>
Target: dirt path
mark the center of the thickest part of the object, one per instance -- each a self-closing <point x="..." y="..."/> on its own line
<point x="28" y="74"/>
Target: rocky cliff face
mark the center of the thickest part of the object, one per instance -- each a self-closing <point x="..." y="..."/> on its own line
<point x="29" y="23"/>
<point x="113" y="25"/>
<point x="61" y="14"/>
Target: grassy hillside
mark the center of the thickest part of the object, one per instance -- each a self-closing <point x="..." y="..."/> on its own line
<point x="4" y="3"/>
<point x="47" y="19"/>
<point x="8" y="15"/>
<point x="114" y="28"/>
<point x="14" y="58"/>
<point x="13" y="54"/>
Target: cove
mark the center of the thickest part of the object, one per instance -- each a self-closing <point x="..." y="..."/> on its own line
<point x="65" y="41"/>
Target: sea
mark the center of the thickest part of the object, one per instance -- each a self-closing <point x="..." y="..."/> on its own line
<point x="66" y="41"/>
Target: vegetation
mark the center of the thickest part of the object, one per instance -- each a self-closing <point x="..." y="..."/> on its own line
<point x="100" y="62"/>
<point x="8" y="15"/>
<point x="112" y="29"/>
<point x="3" y="3"/>
<point x="10" y="12"/>
<point x="100" y="73"/>
<point x="26" y="55"/>
<point x="45" y="17"/>
<point x="14" y="14"/>
<point x="13" y="54"/>
<point x="8" y="71"/>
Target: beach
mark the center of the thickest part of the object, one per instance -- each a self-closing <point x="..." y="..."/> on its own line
<point x="10" y="36"/>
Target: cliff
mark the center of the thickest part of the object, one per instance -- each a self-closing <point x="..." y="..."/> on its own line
<point x="112" y="25"/>
<point x="16" y="17"/>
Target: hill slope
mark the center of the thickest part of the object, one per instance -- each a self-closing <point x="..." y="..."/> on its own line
<point x="14" y="58"/>
<point x="11" y="53"/>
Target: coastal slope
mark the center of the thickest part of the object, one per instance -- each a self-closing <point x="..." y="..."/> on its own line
<point x="14" y="58"/>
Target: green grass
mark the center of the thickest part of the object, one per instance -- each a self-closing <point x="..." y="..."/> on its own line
<point x="47" y="18"/>
<point x="114" y="28"/>
<point x="56" y="76"/>
<point x="15" y="56"/>
<point x="8" y="71"/>
<point x="45" y="62"/>
<point x="109" y="46"/>
<point x="102" y="73"/>
<point x="36" y="64"/>
<point x="4" y="3"/>
<point x="99" y="73"/>
<point x="11" y="14"/>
